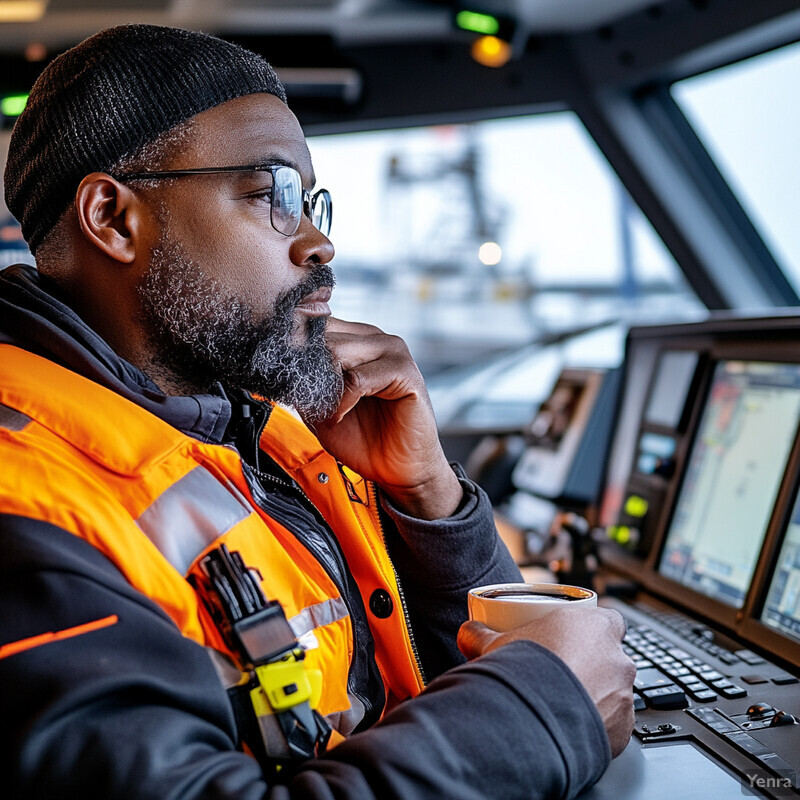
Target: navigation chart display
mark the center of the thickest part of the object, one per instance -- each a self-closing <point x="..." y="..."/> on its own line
<point x="782" y="608"/>
<point x="732" y="477"/>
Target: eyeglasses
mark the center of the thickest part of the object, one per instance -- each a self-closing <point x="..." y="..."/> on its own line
<point x="288" y="199"/>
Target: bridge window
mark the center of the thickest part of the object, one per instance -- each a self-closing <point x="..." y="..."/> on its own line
<point x="472" y="239"/>
<point x="748" y="117"/>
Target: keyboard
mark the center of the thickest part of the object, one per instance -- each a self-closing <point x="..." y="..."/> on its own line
<point x="667" y="676"/>
<point x="699" y="690"/>
<point x="680" y="662"/>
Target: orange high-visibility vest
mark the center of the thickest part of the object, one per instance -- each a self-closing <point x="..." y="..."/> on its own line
<point x="155" y="501"/>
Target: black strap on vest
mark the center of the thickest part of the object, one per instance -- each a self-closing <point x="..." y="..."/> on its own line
<point x="282" y="692"/>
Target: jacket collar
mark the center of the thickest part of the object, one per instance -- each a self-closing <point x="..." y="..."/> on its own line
<point x="33" y="318"/>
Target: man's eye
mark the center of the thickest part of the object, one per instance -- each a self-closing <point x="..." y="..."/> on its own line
<point x="262" y="195"/>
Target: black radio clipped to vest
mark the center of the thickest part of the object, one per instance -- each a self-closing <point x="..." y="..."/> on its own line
<point x="282" y="691"/>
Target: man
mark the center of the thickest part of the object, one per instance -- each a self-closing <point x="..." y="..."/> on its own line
<point x="159" y="517"/>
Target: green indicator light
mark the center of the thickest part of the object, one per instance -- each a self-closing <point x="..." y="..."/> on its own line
<point x="619" y="533"/>
<point x="477" y="23"/>
<point x="636" y="506"/>
<point x="13" y="105"/>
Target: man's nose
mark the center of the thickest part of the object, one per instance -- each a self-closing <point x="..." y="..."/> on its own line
<point x="310" y="246"/>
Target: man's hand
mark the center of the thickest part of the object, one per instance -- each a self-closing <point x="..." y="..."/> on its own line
<point x="384" y="427"/>
<point x="588" y="641"/>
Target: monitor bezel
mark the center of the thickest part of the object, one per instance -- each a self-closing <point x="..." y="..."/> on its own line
<point x="772" y="340"/>
<point x="752" y="628"/>
<point x="682" y="422"/>
<point x="557" y="461"/>
<point x="709" y="607"/>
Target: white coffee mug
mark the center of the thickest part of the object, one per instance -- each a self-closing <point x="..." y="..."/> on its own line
<point x="504" y="606"/>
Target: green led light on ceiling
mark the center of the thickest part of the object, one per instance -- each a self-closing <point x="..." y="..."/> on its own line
<point x="477" y="23"/>
<point x="13" y="105"/>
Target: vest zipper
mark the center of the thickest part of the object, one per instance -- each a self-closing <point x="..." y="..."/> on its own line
<point x="374" y="494"/>
<point x="339" y="579"/>
<point x="295" y="487"/>
<point x="260" y="419"/>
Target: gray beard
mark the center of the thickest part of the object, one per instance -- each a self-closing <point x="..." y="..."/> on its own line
<point x="203" y="335"/>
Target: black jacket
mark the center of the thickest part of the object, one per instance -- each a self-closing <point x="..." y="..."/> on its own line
<point x="137" y="711"/>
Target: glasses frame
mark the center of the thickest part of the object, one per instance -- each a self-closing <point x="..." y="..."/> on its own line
<point x="309" y="201"/>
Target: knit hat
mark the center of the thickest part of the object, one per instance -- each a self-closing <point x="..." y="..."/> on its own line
<point x="109" y="96"/>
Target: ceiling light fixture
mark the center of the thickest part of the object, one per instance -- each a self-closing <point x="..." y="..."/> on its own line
<point x="22" y="10"/>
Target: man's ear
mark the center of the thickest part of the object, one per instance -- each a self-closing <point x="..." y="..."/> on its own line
<point x="110" y="216"/>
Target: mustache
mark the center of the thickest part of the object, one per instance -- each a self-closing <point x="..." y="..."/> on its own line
<point x="321" y="276"/>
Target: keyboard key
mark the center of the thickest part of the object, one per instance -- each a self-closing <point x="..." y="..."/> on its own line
<point x="676" y="652"/>
<point x="748" y="743"/>
<point x="677" y="672"/>
<point x="666" y="697"/>
<point x="693" y="687"/>
<point x="704" y="696"/>
<point x="784" y="679"/>
<point x="638" y="703"/>
<point x="664" y="664"/>
<point x="749" y="657"/>
<point x="650" y="679"/>
<point x="732" y="691"/>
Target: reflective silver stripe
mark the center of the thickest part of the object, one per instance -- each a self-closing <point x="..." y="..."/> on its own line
<point x="303" y="624"/>
<point x="346" y="721"/>
<point x="190" y="515"/>
<point x="229" y="674"/>
<point x="11" y="419"/>
<point x="318" y="615"/>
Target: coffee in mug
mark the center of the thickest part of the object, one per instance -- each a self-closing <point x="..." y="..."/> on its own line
<point x="504" y="606"/>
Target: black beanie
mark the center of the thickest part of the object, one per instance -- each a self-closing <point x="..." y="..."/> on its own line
<point x="109" y="96"/>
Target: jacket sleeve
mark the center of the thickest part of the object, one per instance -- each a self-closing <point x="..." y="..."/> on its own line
<point x="438" y="561"/>
<point x="116" y="703"/>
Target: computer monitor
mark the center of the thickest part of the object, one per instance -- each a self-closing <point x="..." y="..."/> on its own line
<point x="554" y="435"/>
<point x="666" y="404"/>
<point x="781" y="609"/>
<point x="731" y="479"/>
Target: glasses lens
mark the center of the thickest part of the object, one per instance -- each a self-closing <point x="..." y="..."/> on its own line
<point x="287" y="200"/>
<point x="321" y="211"/>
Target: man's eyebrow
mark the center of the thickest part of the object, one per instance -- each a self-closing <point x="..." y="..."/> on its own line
<point x="284" y="162"/>
<point x="269" y="160"/>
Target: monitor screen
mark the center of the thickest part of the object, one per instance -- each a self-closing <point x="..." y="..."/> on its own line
<point x="556" y="433"/>
<point x="782" y="606"/>
<point x="557" y="413"/>
<point x="668" y="395"/>
<point x="732" y="476"/>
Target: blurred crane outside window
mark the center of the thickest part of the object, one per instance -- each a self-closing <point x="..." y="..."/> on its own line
<point x="479" y="243"/>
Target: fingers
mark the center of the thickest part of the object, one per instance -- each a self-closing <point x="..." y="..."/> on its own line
<point x="362" y="344"/>
<point x="611" y="686"/>
<point x="336" y="325"/>
<point x="373" y="364"/>
<point x="474" y="639"/>
<point x="588" y="640"/>
<point x="388" y="377"/>
<point x="616" y="621"/>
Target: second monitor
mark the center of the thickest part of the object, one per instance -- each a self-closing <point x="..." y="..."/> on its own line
<point x="732" y="476"/>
